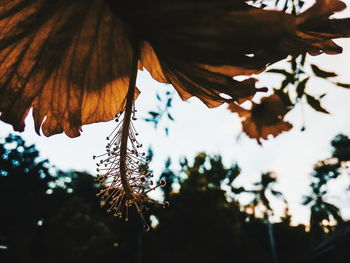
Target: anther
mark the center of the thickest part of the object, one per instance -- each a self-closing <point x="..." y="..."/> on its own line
<point x="162" y="183"/>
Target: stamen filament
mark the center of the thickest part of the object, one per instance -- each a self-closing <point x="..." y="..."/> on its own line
<point x="124" y="169"/>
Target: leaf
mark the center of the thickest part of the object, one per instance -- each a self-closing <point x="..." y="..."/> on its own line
<point x="158" y="97"/>
<point x="237" y="190"/>
<point x="264" y="119"/>
<point x="170" y="117"/>
<point x="294" y="64"/>
<point x="303" y="58"/>
<point x="285" y="98"/>
<point x="315" y="104"/>
<point x="321" y="73"/>
<point x="276" y="193"/>
<point x="301" y="87"/>
<point x="290" y="79"/>
<point x="285" y="83"/>
<point x="322" y="95"/>
<point x="280" y="71"/>
<point x="343" y="85"/>
<point x="307" y="200"/>
<point x="154" y="114"/>
<point x="168" y="104"/>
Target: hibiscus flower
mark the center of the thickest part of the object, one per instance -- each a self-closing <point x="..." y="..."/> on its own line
<point x="76" y="62"/>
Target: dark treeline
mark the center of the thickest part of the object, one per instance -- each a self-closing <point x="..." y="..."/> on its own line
<point x="53" y="216"/>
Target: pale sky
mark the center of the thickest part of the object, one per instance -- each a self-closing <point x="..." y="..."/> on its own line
<point x="217" y="131"/>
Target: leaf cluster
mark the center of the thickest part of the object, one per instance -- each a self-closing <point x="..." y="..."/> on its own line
<point x="162" y="111"/>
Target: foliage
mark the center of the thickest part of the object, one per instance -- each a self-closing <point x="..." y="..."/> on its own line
<point x="162" y="111"/>
<point x="54" y="216"/>
<point x="23" y="184"/>
<point x="324" y="215"/>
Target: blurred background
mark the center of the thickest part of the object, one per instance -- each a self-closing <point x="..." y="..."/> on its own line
<point x="50" y="215"/>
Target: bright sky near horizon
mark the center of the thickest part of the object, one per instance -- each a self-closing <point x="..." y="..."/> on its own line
<point x="217" y="131"/>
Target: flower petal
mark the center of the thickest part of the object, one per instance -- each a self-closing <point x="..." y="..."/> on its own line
<point x="69" y="60"/>
<point x="149" y="61"/>
<point x="194" y="80"/>
<point x="198" y="45"/>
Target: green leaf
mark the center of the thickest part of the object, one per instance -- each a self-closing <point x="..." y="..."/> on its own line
<point x="168" y="104"/>
<point x="154" y="114"/>
<point x="321" y="73"/>
<point x="170" y="117"/>
<point x="315" y="104"/>
<point x="301" y="87"/>
<point x="276" y="193"/>
<point x="307" y="200"/>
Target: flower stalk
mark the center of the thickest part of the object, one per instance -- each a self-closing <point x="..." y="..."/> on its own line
<point x="126" y="124"/>
<point x="123" y="169"/>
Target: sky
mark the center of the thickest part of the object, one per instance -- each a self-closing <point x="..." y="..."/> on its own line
<point x="217" y="131"/>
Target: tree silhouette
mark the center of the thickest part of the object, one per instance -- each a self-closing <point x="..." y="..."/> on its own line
<point x="200" y="222"/>
<point x="53" y="216"/>
<point x="48" y="215"/>
<point x="24" y="181"/>
<point x="324" y="215"/>
<point x="260" y="203"/>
